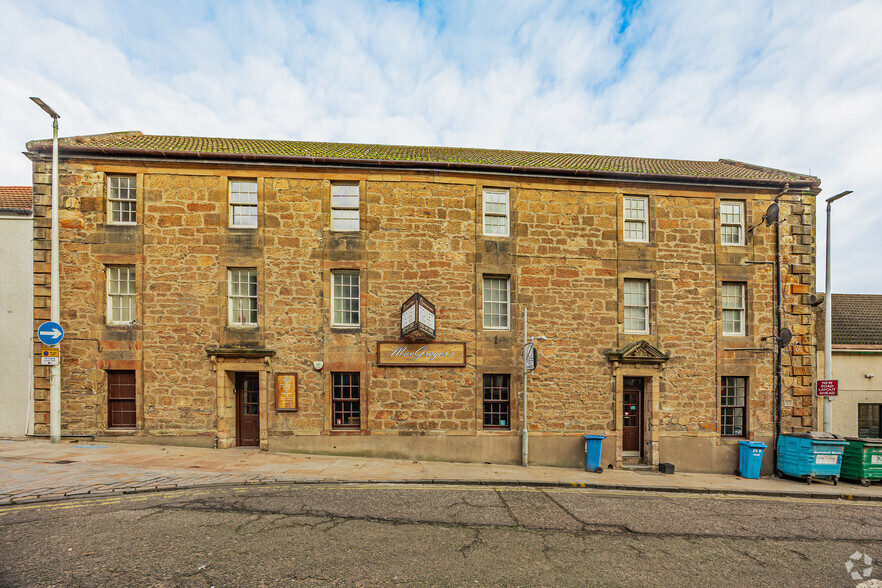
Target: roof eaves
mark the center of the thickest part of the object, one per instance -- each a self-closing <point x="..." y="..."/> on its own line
<point x="133" y="153"/>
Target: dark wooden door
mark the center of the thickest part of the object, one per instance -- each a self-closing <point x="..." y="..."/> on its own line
<point x="247" y="408"/>
<point x="632" y="413"/>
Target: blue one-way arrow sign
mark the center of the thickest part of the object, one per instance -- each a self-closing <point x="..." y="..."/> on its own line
<point x="50" y="333"/>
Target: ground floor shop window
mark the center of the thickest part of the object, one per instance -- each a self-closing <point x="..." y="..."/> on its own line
<point x="870" y="420"/>
<point x="733" y="400"/>
<point x="121" y="399"/>
<point x="496" y="401"/>
<point x="347" y="400"/>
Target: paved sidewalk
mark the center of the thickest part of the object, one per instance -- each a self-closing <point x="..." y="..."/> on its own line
<point x="34" y="470"/>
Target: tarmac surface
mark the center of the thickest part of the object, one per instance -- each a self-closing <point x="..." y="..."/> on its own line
<point x="35" y="470"/>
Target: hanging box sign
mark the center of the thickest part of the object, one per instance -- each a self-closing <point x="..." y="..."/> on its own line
<point x="418" y="316"/>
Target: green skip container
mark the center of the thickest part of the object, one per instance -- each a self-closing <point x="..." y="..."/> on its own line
<point x="862" y="460"/>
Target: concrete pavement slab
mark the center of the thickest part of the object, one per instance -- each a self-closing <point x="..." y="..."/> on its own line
<point x="32" y="468"/>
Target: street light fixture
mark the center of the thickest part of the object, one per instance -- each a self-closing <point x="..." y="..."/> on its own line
<point x="828" y="321"/>
<point x="54" y="302"/>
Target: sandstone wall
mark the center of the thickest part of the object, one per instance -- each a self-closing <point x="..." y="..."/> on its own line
<point x="420" y="233"/>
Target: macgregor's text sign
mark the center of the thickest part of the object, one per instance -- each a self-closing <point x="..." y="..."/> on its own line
<point x="402" y="354"/>
<point x="418" y="315"/>
<point x="827" y="387"/>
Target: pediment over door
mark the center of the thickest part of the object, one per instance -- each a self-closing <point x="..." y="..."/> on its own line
<point x="638" y="352"/>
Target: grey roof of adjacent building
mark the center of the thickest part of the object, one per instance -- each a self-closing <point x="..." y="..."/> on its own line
<point x="857" y="319"/>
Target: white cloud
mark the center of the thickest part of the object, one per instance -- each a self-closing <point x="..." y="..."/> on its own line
<point x="785" y="84"/>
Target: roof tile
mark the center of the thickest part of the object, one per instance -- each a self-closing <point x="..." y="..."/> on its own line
<point x="130" y="143"/>
<point x="17" y="199"/>
<point x="857" y="319"/>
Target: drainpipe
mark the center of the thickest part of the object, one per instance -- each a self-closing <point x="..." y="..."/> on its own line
<point x="524" y="441"/>
<point x="778" y="320"/>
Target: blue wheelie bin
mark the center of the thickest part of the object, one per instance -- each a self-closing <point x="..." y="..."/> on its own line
<point x="593" y="444"/>
<point x="810" y="455"/>
<point x="750" y="459"/>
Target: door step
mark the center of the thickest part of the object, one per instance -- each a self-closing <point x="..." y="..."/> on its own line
<point x="637" y="467"/>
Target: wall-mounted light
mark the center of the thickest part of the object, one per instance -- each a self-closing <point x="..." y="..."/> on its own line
<point x="318" y="365"/>
<point x="869" y="376"/>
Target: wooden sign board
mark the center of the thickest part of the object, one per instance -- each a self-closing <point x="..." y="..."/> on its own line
<point x="402" y="354"/>
<point x="286" y="392"/>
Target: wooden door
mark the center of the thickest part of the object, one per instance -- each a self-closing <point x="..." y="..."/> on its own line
<point x="247" y="408"/>
<point x="632" y="415"/>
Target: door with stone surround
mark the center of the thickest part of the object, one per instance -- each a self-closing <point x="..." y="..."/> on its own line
<point x="632" y="415"/>
<point x="247" y="408"/>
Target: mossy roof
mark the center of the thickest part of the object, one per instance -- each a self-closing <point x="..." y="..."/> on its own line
<point x="134" y="144"/>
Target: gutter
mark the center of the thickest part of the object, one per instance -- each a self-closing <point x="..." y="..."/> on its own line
<point x="381" y="164"/>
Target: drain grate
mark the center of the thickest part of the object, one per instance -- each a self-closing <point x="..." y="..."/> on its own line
<point x="63" y="461"/>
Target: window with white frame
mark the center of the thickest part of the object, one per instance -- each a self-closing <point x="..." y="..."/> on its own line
<point x="733" y="308"/>
<point x="636" y="218"/>
<point x="345" y="299"/>
<point x="636" y="306"/>
<point x="122" y="199"/>
<point x="344" y="207"/>
<point x="496" y="212"/>
<point x="731" y="222"/>
<point x="496" y="302"/>
<point x="243" y="297"/>
<point x="121" y="294"/>
<point x="243" y="203"/>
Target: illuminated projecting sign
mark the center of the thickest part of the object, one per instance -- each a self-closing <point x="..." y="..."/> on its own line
<point x="418" y="315"/>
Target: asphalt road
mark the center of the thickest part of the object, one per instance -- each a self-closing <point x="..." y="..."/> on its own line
<point x="435" y="536"/>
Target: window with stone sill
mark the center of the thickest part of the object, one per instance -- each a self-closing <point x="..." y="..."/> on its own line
<point x="346" y="400"/>
<point x="121" y="294"/>
<point x="733" y="295"/>
<point x="635" y="218"/>
<point x="497" y="403"/>
<point x="243" y="297"/>
<point x="496" y="302"/>
<point x="345" y="212"/>
<point x="636" y="306"/>
<point x="345" y="299"/>
<point x="243" y="203"/>
<point x="733" y="406"/>
<point x="496" y="212"/>
<point x="731" y="222"/>
<point x="121" y="412"/>
<point x="122" y="200"/>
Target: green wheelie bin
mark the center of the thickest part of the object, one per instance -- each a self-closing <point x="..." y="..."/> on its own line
<point x="862" y="460"/>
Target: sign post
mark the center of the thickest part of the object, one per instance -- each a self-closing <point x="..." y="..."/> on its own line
<point x="827" y="388"/>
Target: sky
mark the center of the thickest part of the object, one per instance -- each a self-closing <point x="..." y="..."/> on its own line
<point x="795" y="85"/>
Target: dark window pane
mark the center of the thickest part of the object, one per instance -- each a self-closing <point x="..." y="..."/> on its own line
<point x="346" y="400"/>
<point x="733" y="404"/>
<point x="121" y="398"/>
<point x="496" y="401"/>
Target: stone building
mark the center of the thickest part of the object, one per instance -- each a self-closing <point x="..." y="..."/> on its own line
<point x="225" y="292"/>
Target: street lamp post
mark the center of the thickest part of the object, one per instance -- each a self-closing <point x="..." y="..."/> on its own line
<point x="54" y="304"/>
<point x="828" y="321"/>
